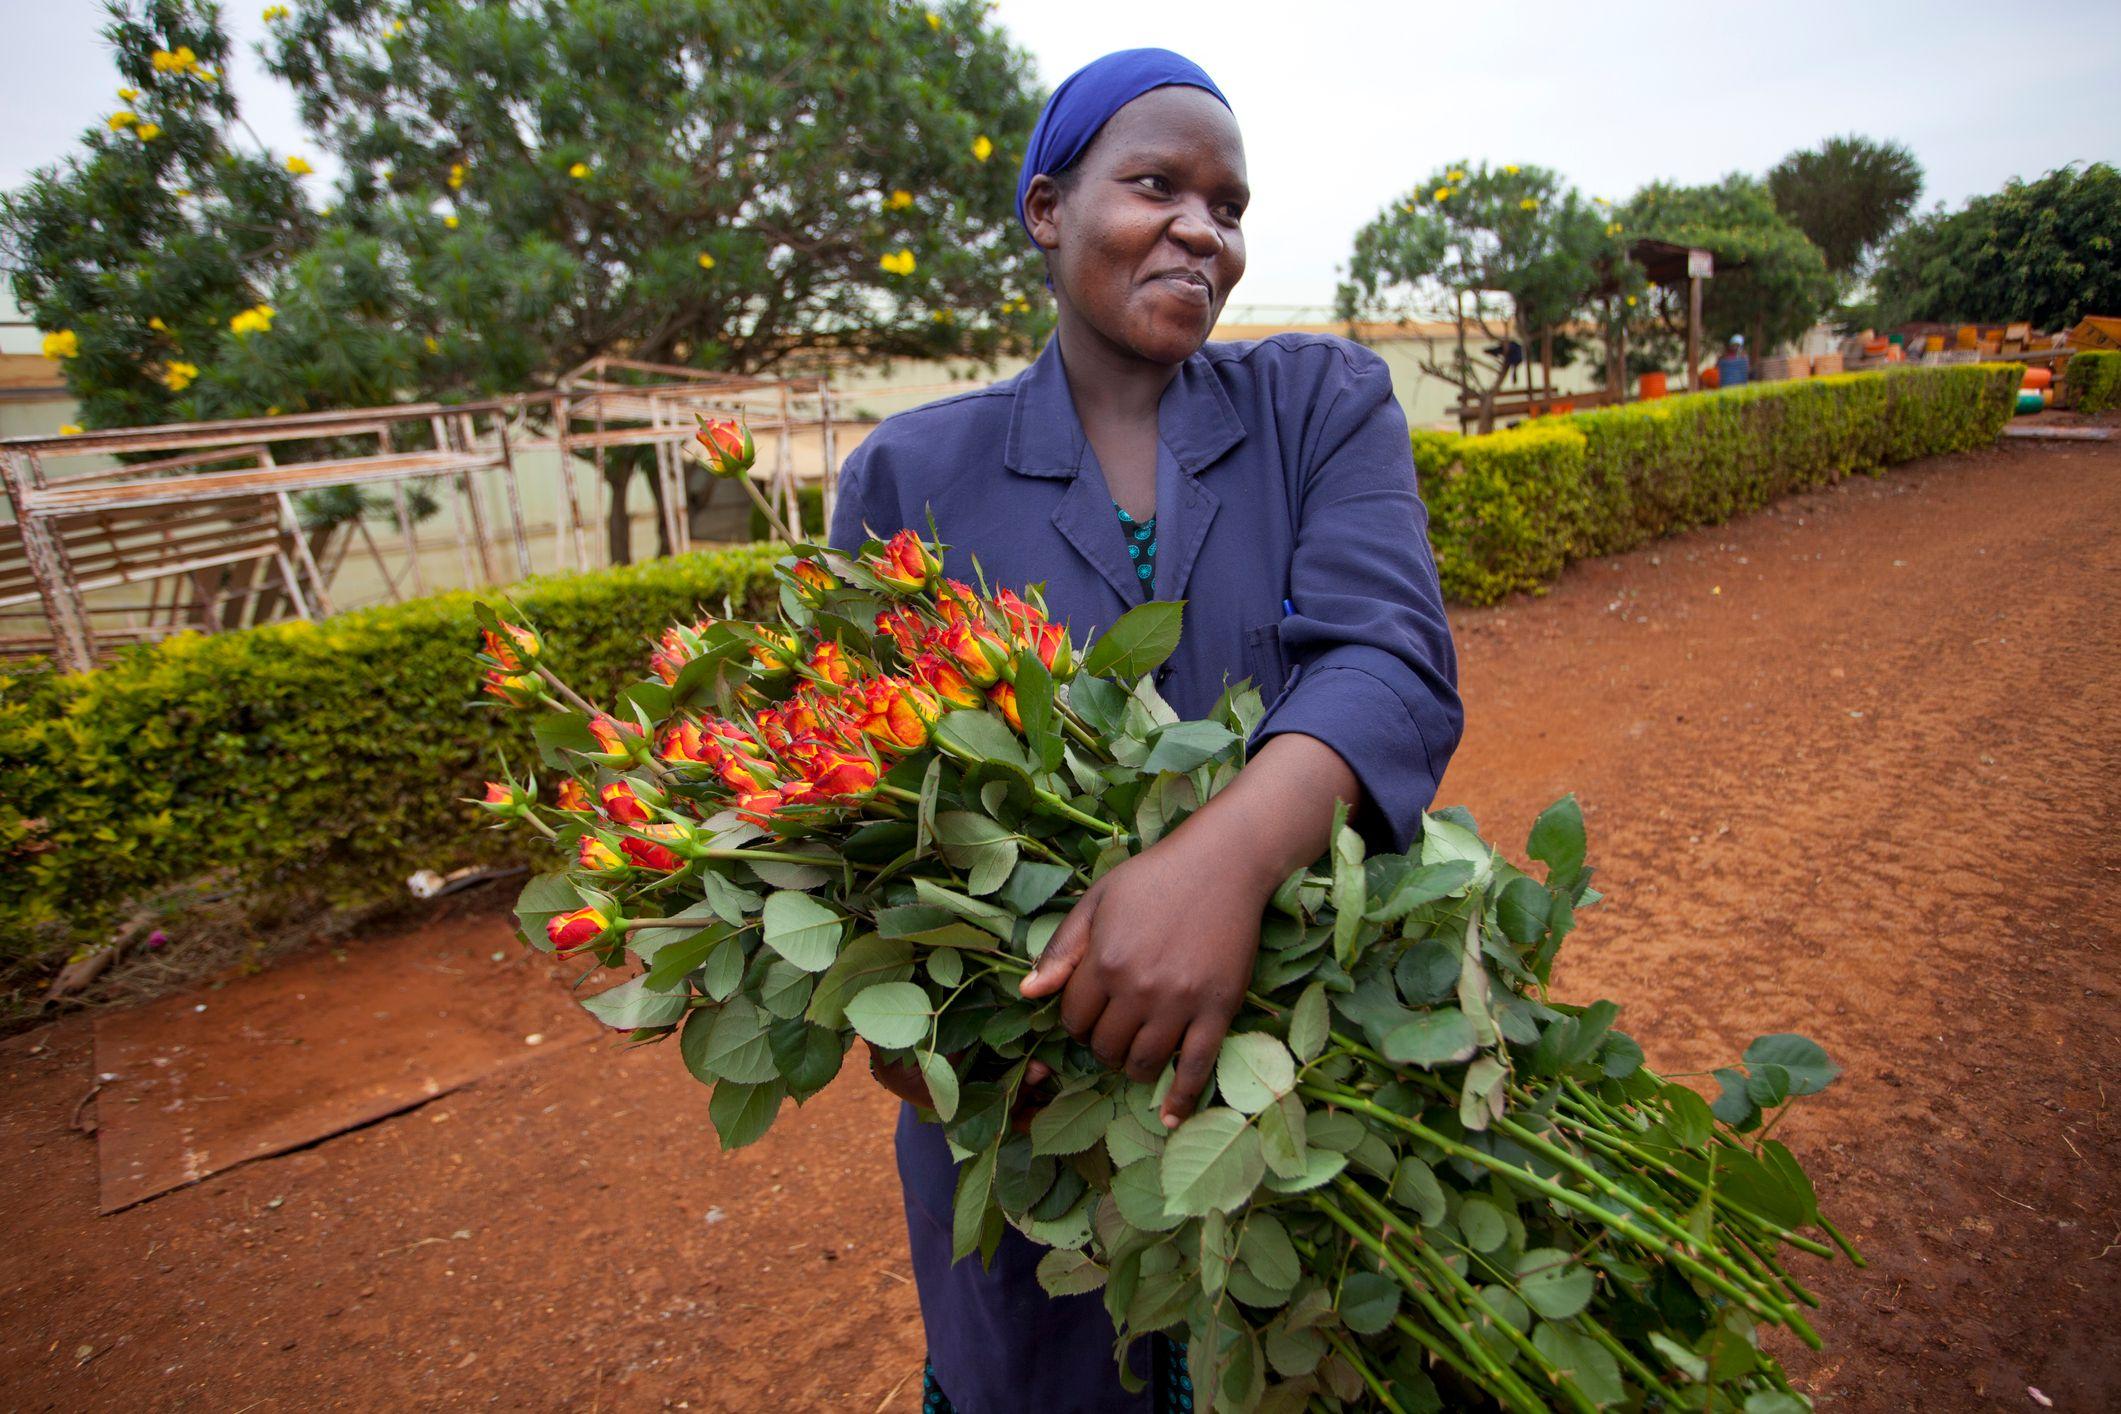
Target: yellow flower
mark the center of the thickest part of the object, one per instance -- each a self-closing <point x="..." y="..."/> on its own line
<point x="935" y="21"/>
<point x="148" y="132"/>
<point x="1614" y="228"/>
<point x="397" y="27"/>
<point x="1455" y="176"/>
<point x="1511" y="170"/>
<point x="275" y="13"/>
<point x="127" y="95"/>
<point x="1530" y="203"/>
<point x="456" y="176"/>
<point x="299" y="167"/>
<point x="186" y="191"/>
<point x="450" y="221"/>
<point x="899" y="199"/>
<point x="578" y="171"/>
<point x="155" y="323"/>
<point x="1441" y="194"/>
<point x="71" y="429"/>
<point x="123" y="118"/>
<point x="899" y="262"/>
<point x="177" y="375"/>
<point x="706" y="261"/>
<point x="62" y="343"/>
<point x="432" y="344"/>
<point x="207" y="72"/>
<point x="982" y="149"/>
<point x="1600" y="201"/>
<point x="166" y="61"/>
<point x="940" y="316"/>
<point x="273" y="411"/>
<point x="1407" y="206"/>
<point x="255" y="320"/>
<point x="1631" y="301"/>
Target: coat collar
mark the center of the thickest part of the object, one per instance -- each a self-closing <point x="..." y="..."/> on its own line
<point x="1196" y="419"/>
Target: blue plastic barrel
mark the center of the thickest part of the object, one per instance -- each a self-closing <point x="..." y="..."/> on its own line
<point x="1733" y="369"/>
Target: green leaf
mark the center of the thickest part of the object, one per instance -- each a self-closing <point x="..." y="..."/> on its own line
<point x="631" y="1004"/>
<point x="807" y="1056"/>
<point x="1072" y="1122"/>
<point x="1321" y="1166"/>
<point x="1211" y="1162"/>
<point x="1428" y="971"/>
<point x="1138" y="642"/>
<point x="1444" y="840"/>
<point x="924" y="813"/>
<point x="1444" y="1036"/>
<point x="1000" y="922"/>
<point x="723" y="970"/>
<point x="1138" y="1189"/>
<point x="1099" y="702"/>
<point x="802" y="930"/>
<point x="890" y="1014"/>
<point x="742" y="1114"/>
<point x="1775" y="1401"/>
<point x="1368" y="1302"/>
<point x="785" y="991"/>
<point x="542" y="898"/>
<point x="728" y="1043"/>
<point x="942" y="1084"/>
<point x="1425" y="884"/>
<point x="1522" y="911"/>
<point x="1309" y="1024"/>
<point x="732" y="903"/>
<point x="1683" y="1358"/>
<point x="866" y="960"/>
<point x="970" y="1208"/>
<point x="975" y="734"/>
<point x="1350" y="886"/>
<point x="1582" y="1361"/>
<point x="1253" y="1070"/>
<point x="1481" y="1099"/>
<point x="1281" y="1137"/>
<point x="1065" y="1273"/>
<point x="1482" y="1224"/>
<point x="1809" y="1069"/>
<point x="1557" y="841"/>
<point x="1034" y="708"/>
<point x="1184" y="745"/>
<point x="675" y="961"/>
<point x="1030" y="885"/>
<point x="1553" y="1283"/>
<point x="975" y="842"/>
<point x="1265" y="1249"/>
<point x="1414" y="1188"/>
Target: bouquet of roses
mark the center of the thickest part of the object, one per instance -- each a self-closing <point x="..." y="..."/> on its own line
<point x="1417" y="1180"/>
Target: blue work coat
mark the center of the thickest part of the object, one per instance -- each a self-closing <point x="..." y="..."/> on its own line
<point x="1283" y="473"/>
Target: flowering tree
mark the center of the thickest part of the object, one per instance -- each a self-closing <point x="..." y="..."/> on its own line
<point x="1510" y="251"/>
<point x="1771" y="282"/>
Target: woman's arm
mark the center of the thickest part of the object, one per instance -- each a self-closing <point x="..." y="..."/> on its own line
<point x="1156" y="956"/>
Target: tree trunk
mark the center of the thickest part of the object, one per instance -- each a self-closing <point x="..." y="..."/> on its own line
<point x="618" y="526"/>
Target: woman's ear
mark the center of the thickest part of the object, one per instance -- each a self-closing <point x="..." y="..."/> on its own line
<point x="1042" y="211"/>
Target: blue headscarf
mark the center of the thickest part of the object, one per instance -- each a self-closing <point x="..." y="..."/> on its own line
<point x="1086" y="101"/>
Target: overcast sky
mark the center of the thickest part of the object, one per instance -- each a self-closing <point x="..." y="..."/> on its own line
<point x="1345" y="103"/>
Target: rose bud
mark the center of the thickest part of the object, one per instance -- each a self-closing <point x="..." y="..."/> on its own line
<point x="513" y="649"/>
<point x="595" y="855"/>
<point x="813" y="582"/>
<point x="947" y="684"/>
<point x="1004" y="696"/>
<point x="571" y="932"/>
<point x="651" y="853"/>
<point x="506" y="801"/>
<point x="904" y="628"/>
<point x="905" y="563"/>
<point x="723" y="446"/>
<point x="777" y="652"/>
<point x="573" y="797"/>
<point x="841" y="775"/>
<point x="757" y="806"/>
<point x="621" y="805"/>
<point x="980" y="653"/>
<point x="896" y="714"/>
<point x="829" y="661"/>
<point x="515" y="689"/>
<point x="682" y="743"/>
<point x="617" y="742"/>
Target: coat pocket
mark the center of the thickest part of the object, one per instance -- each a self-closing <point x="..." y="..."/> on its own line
<point x="1264" y="661"/>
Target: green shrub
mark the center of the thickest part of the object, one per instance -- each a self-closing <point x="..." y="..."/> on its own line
<point x="326" y="756"/>
<point x="2094" y="381"/>
<point x="1508" y="509"/>
<point x="810" y="499"/>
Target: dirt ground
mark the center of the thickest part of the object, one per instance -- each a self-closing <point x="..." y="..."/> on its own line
<point x="1850" y="767"/>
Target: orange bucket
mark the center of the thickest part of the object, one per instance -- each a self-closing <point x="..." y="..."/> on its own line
<point x="2038" y="378"/>
<point x="1652" y="385"/>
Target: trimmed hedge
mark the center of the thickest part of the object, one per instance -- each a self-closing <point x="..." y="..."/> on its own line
<point x="2094" y="380"/>
<point x="324" y="762"/>
<point x="327" y="757"/>
<point x="1508" y="509"/>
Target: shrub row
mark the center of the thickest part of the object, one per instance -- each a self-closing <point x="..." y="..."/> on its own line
<point x="328" y="758"/>
<point x="2095" y="380"/>
<point x="326" y="761"/>
<point x="1508" y="509"/>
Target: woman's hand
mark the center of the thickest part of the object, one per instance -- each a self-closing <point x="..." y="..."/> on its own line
<point x="1156" y="955"/>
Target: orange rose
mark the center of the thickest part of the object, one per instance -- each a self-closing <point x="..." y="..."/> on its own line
<point x="621" y="805"/>
<point x="572" y="797"/>
<point x="896" y="714"/>
<point x="1029" y="628"/>
<point x="593" y="854"/>
<point x="723" y="446"/>
<point x="948" y="685"/>
<point x="758" y="806"/>
<point x="813" y="582"/>
<point x="571" y="932"/>
<point x="515" y="651"/>
<point x="515" y="689"/>
<point x="652" y="853"/>
<point x="829" y="661"/>
<point x="617" y="742"/>
<point x="905" y="563"/>
<point x="1004" y="696"/>
<point x="684" y="744"/>
<point x="677" y="647"/>
<point x="980" y="653"/>
<point x="778" y="653"/>
<point x="841" y="775"/>
<point x="904" y="628"/>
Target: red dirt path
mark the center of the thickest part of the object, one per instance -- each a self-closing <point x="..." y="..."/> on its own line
<point x="1850" y="767"/>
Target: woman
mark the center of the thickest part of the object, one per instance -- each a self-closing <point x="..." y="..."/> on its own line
<point x="1269" y="485"/>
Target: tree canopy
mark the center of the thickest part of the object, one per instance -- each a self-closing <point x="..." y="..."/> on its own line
<point x="1846" y="195"/>
<point x="2043" y="251"/>
<point x="1771" y="282"/>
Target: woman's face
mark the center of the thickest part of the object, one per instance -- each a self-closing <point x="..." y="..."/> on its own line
<point x="1144" y="243"/>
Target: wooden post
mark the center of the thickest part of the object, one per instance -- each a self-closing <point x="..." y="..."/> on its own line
<point x="562" y="421"/>
<point x="1693" y="332"/>
<point x="1546" y="364"/>
<point x="514" y="492"/>
<point x="308" y="560"/>
<point x="829" y="484"/>
<point x="72" y="643"/>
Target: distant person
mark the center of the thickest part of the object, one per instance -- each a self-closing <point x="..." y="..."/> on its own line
<point x="1734" y="368"/>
